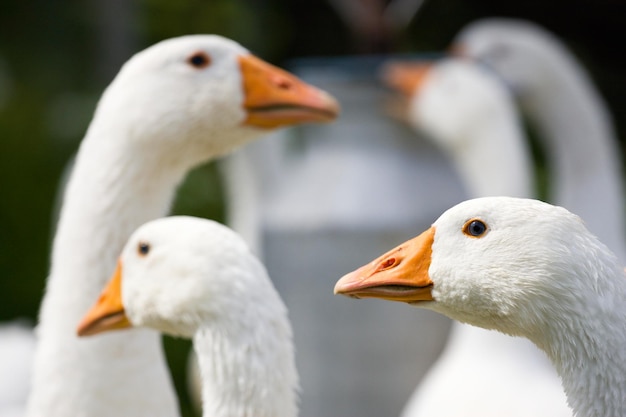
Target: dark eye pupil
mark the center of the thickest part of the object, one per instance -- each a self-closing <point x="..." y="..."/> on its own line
<point x="143" y="248"/>
<point x="476" y="228"/>
<point x="199" y="60"/>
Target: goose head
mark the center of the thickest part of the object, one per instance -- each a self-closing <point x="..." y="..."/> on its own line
<point x="206" y="94"/>
<point x="518" y="266"/>
<point x="452" y="100"/>
<point x="519" y="51"/>
<point x="176" y="274"/>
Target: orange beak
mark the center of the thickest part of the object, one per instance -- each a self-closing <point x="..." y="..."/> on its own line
<point x="404" y="77"/>
<point x="108" y="312"/>
<point x="275" y="98"/>
<point x="399" y="275"/>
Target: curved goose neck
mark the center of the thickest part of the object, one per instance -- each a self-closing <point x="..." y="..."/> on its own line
<point x="582" y="145"/>
<point x="595" y="387"/>
<point x="495" y="160"/>
<point x="247" y="363"/>
<point x="112" y="190"/>
<point x="584" y="337"/>
<point x="592" y="362"/>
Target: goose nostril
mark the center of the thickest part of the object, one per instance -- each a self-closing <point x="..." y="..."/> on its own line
<point x="283" y="83"/>
<point x="387" y="263"/>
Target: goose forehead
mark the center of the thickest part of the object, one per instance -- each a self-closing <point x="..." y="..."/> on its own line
<point x="186" y="234"/>
<point x="505" y="211"/>
<point x="175" y="49"/>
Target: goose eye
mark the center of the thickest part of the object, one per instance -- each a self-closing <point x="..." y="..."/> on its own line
<point x="199" y="60"/>
<point x="475" y="228"/>
<point x="143" y="248"/>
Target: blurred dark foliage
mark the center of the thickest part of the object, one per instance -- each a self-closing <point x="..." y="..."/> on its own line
<point x="59" y="55"/>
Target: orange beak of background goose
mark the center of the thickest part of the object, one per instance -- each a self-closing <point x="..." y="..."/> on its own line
<point x="108" y="312"/>
<point x="275" y="98"/>
<point x="404" y="77"/>
<point x="399" y="275"/>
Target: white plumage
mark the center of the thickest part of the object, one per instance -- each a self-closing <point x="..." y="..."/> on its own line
<point x="171" y="107"/>
<point x="560" y="100"/>
<point x="17" y="346"/>
<point x="468" y="111"/>
<point x="524" y="268"/>
<point x="197" y="279"/>
<point x="558" y="96"/>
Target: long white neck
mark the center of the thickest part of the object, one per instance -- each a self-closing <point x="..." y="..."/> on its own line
<point x="494" y="160"/>
<point x="111" y="192"/>
<point x="472" y="340"/>
<point x="248" y="364"/>
<point x="582" y="147"/>
<point x="586" y="341"/>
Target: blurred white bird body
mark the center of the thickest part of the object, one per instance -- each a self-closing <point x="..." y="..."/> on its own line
<point x="472" y="116"/>
<point x="562" y="103"/>
<point x="17" y="346"/>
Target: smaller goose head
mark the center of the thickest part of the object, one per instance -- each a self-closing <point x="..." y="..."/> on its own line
<point x="176" y="274"/>
<point x="519" y="51"/>
<point x="514" y="265"/>
<point x="451" y="99"/>
<point x="207" y="94"/>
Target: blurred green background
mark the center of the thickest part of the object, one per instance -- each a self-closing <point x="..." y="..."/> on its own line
<point x="56" y="57"/>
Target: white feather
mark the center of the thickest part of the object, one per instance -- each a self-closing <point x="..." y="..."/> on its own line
<point x="538" y="273"/>
<point x="470" y="113"/>
<point x="201" y="281"/>
<point x="159" y="118"/>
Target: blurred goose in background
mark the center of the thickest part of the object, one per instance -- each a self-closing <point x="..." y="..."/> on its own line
<point x="17" y="346"/>
<point x="524" y="268"/>
<point x="472" y="116"/>
<point x="559" y="98"/>
<point x="173" y="106"/>
<point x="197" y="279"/>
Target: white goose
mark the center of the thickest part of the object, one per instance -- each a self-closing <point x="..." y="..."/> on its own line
<point x="17" y="345"/>
<point x="560" y="99"/>
<point x="171" y="107"/>
<point x="197" y="279"/>
<point x="524" y="268"/>
<point x="472" y="116"/>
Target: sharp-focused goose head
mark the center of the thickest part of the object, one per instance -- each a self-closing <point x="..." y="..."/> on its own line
<point x="525" y="268"/>
<point x="174" y="275"/>
<point x="184" y="90"/>
<point x="452" y="100"/>
<point x="514" y="265"/>
<point x="515" y="49"/>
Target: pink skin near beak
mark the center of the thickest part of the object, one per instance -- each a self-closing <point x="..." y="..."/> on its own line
<point x="399" y="275"/>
